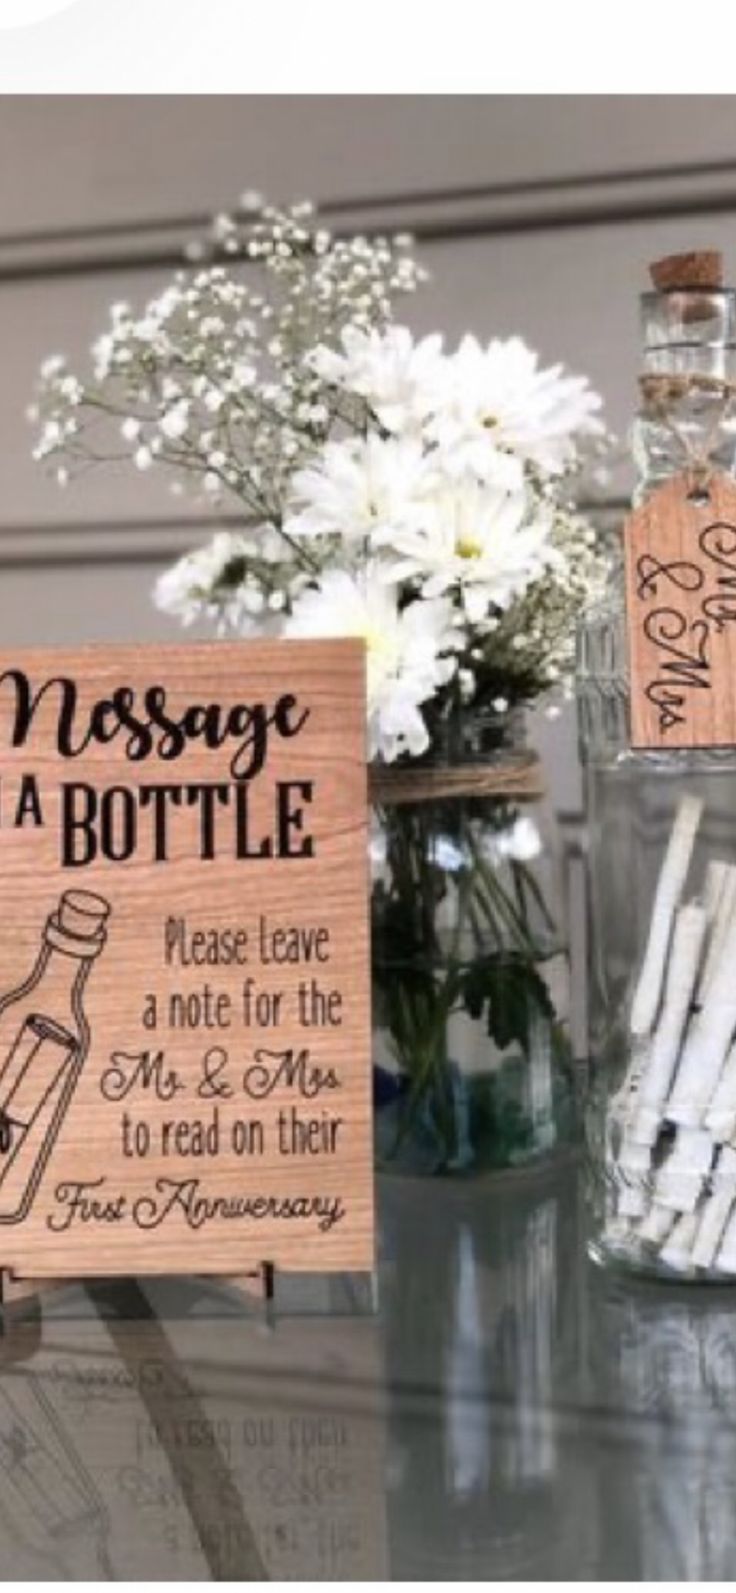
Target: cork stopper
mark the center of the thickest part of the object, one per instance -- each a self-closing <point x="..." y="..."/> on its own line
<point x="700" y="268"/>
<point x="83" y="914"/>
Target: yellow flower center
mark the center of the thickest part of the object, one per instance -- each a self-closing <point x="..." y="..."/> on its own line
<point x="377" y="643"/>
<point x="467" y="548"/>
<point x="489" y="421"/>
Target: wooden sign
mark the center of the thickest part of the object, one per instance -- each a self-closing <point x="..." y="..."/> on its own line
<point x="184" y="986"/>
<point x="680" y="549"/>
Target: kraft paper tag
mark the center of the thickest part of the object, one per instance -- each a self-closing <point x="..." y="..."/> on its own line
<point x="680" y="553"/>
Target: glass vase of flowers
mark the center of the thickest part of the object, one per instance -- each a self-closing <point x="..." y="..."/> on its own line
<point x="470" y="967"/>
<point x="422" y="500"/>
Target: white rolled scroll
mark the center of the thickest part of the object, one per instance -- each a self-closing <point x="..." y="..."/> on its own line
<point x="726" y="1257"/>
<point x="716" y="874"/>
<point x="670" y="886"/>
<point x="633" y="1198"/>
<point x="677" y="1252"/>
<point x="682" y="973"/>
<point x="622" y="1105"/>
<point x="720" y="922"/>
<point x="657" y="1224"/>
<point x="720" y="1117"/>
<point x="619" y="1234"/>
<point x="708" y="1041"/>
<point x="633" y="1171"/>
<point x="681" y="1177"/>
<point x="716" y="1209"/>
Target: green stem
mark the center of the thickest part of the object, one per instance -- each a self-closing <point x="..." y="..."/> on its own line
<point x="493" y="899"/>
<point x="532" y="886"/>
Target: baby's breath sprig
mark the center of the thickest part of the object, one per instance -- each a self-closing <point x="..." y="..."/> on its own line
<point x="212" y="381"/>
<point x="388" y="489"/>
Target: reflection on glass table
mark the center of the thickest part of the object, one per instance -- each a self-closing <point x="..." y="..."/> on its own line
<point x="668" y="1361"/>
<point x="50" y="1508"/>
<point x="481" y="1337"/>
<point x="220" y="1449"/>
<point x="507" y="1411"/>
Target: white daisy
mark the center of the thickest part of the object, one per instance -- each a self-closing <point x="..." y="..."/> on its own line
<point x="194" y="585"/>
<point x="408" y="651"/>
<point x="498" y="399"/>
<point x="358" y="488"/>
<point x="476" y="537"/>
<point x="400" y="379"/>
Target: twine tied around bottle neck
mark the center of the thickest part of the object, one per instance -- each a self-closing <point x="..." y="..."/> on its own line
<point x="517" y="778"/>
<point x="659" y="392"/>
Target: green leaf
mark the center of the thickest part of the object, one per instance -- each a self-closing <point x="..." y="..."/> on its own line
<point x="510" y="993"/>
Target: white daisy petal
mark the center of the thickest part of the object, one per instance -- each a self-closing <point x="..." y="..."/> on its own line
<point x="409" y="650"/>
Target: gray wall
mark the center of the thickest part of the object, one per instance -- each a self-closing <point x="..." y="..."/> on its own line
<point x="536" y="215"/>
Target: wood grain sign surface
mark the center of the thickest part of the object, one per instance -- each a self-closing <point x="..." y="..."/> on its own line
<point x="680" y="553"/>
<point x="184" y="989"/>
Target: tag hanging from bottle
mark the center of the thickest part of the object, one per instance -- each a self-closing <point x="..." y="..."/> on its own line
<point x="680" y="554"/>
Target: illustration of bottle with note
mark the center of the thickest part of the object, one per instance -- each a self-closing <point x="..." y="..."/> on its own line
<point x="44" y="1041"/>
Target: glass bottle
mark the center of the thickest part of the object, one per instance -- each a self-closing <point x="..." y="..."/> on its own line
<point x="44" y="1040"/>
<point x="662" y="1171"/>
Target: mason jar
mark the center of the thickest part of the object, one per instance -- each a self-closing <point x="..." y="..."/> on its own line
<point x="661" y="825"/>
<point x="473" y="1064"/>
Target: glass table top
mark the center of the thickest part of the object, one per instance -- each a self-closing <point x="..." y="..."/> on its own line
<point x="505" y="1412"/>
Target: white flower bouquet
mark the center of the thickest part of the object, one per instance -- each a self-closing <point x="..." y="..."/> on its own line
<point x="417" y="498"/>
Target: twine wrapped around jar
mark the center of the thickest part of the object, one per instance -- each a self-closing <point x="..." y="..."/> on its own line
<point x="659" y="393"/>
<point x="518" y="778"/>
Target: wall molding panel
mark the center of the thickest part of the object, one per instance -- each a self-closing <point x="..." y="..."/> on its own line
<point x="67" y="268"/>
<point x="112" y="542"/>
<point x="500" y="209"/>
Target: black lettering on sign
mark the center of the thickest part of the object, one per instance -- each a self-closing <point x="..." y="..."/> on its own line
<point x="681" y="572"/>
<point x="149" y="728"/>
<point x="681" y="595"/>
<point x="718" y="542"/>
<point x="683" y="668"/>
<point x="287" y="1070"/>
<point x="143" y="1070"/>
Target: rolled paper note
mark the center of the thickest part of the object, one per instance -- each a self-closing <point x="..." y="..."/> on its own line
<point x="720" y="1117"/>
<point x="632" y="1172"/>
<point x="633" y="1199"/>
<point x="657" y="1225"/>
<point x="619" y="1234"/>
<point x="720" y="926"/>
<point x="621" y="1105"/>
<point x="726" y="1256"/>
<point x="707" y="1042"/>
<point x="723" y="1176"/>
<point x="716" y="894"/>
<point x="670" y="886"/>
<point x="682" y="973"/>
<point x="677" y="1252"/>
<point x="633" y="1157"/>
<point x="716" y="1209"/>
<point x="715" y="877"/>
<point x="681" y="1177"/>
